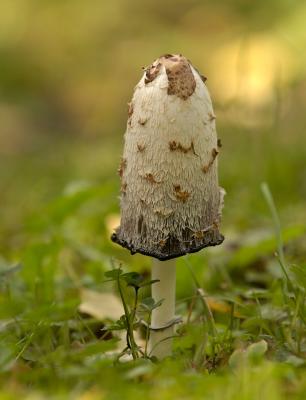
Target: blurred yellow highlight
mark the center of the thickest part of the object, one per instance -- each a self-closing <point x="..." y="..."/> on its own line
<point x="112" y="221"/>
<point x="251" y="69"/>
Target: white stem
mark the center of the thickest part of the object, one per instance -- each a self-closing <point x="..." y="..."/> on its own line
<point x="165" y="271"/>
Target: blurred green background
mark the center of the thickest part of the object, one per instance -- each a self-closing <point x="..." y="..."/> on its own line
<point x="67" y="72"/>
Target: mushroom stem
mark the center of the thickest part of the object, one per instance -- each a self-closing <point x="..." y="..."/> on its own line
<point x="160" y="342"/>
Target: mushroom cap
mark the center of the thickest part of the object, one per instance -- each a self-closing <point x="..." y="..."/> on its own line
<point x="171" y="202"/>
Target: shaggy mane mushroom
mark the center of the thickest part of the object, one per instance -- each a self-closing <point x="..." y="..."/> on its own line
<point x="171" y="201"/>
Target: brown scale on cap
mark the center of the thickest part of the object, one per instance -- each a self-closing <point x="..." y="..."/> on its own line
<point x="130" y="109"/>
<point x="150" y="178"/>
<point x="122" y="167"/>
<point x="198" y="235"/>
<point x="180" y="194"/>
<point x="181" y="81"/>
<point x="152" y="71"/>
<point x="214" y="154"/>
<point x="130" y="112"/>
<point x="123" y="188"/>
<point x="162" y="243"/>
<point x="173" y="146"/>
<point x="211" y="117"/>
<point x="142" y="121"/>
<point x="140" y="147"/>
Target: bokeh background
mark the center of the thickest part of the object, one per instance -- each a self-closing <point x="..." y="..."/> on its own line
<point x="68" y="69"/>
<point x="67" y="72"/>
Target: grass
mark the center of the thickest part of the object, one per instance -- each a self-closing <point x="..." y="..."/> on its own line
<point x="243" y="303"/>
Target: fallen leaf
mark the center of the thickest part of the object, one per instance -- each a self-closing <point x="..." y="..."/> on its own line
<point x="100" y="305"/>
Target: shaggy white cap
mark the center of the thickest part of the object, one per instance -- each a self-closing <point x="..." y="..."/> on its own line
<point x="170" y="199"/>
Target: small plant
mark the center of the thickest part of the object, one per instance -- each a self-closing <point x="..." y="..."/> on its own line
<point x="138" y="313"/>
<point x="293" y="286"/>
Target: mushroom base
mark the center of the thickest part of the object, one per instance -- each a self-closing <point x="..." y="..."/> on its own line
<point x="173" y="248"/>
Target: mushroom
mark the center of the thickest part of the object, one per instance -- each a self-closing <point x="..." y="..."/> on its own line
<point x="171" y="202"/>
